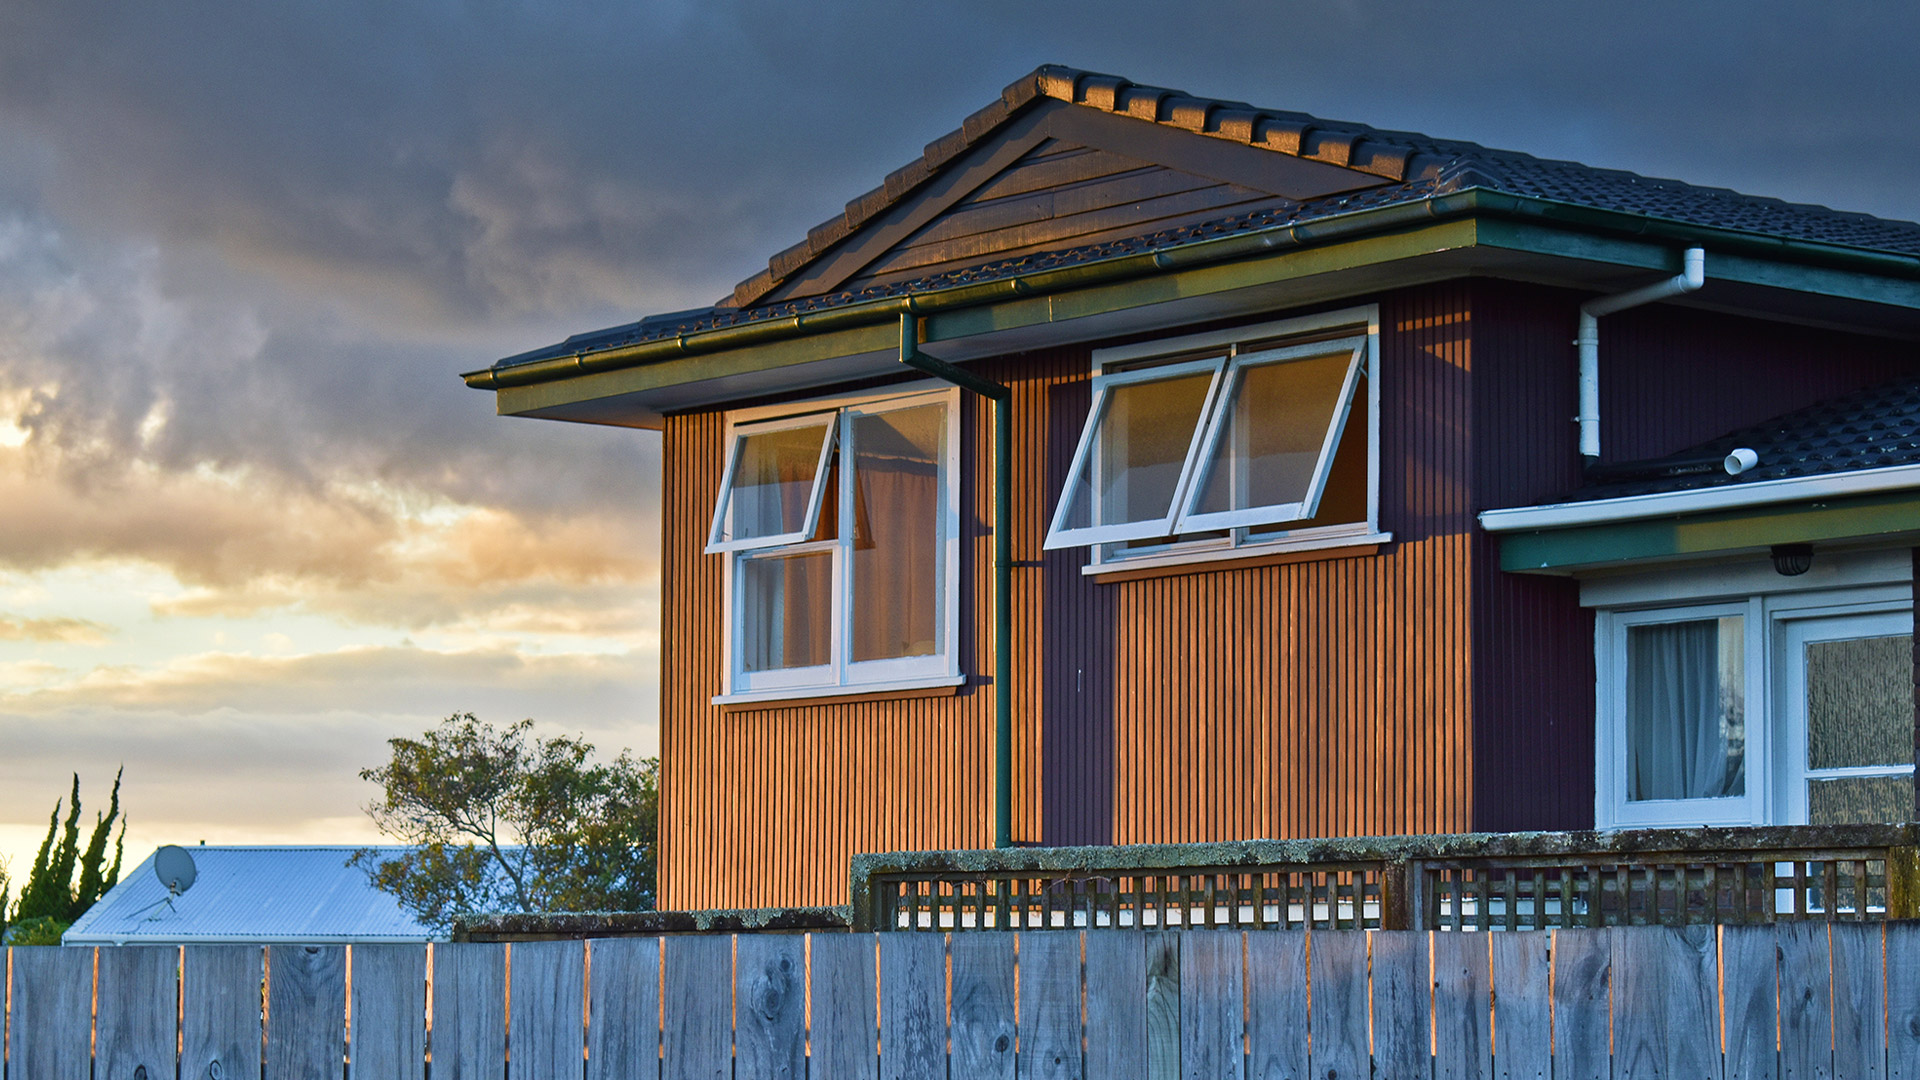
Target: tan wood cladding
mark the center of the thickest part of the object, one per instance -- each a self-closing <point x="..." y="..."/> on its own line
<point x="1304" y="699"/>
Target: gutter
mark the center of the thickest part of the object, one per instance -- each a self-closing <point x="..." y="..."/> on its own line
<point x="1670" y="503"/>
<point x="1350" y="225"/>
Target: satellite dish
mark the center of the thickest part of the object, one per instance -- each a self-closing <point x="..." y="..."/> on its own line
<point x="175" y="869"/>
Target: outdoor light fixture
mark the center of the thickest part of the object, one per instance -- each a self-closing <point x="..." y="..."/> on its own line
<point x="1792" y="560"/>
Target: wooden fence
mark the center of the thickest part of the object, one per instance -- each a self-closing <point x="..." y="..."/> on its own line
<point x="1791" y="1000"/>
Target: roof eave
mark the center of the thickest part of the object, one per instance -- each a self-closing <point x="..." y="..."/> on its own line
<point x="1328" y="230"/>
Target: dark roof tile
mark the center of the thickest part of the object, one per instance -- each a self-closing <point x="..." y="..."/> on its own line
<point x="1419" y="166"/>
<point x="1874" y="428"/>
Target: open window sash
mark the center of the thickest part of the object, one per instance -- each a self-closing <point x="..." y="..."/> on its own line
<point x="1135" y="459"/>
<point x="1271" y="436"/>
<point x="773" y="483"/>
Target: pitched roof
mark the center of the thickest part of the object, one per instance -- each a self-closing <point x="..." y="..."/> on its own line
<point x="1411" y="166"/>
<point x="254" y="894"/>
<point x="1874" y="428"/>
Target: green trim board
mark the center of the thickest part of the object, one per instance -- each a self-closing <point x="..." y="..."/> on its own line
<point x="1378" y="239"/>
<point x="1554" y="551"/>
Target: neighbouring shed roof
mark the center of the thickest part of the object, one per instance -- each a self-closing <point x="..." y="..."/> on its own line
<point x="1411" y="167"/>
<point x="254" y="894"/>
<point x="1874" y="428"/>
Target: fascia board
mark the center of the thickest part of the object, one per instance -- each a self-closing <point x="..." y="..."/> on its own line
<point x="1672" y="503"/>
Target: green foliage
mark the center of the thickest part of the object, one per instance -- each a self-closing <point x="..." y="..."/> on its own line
<point x="40" y="930"/>
<point x="502" y="821"/>
<point x="50" y="891"/>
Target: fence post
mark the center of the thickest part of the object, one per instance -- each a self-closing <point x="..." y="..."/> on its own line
<point x="1903" y="882"/>
<point x="1400" y="905"/>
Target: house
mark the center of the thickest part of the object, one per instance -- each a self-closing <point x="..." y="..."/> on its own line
<point x="1135" y="467"/>
<point x="252" y="895"/>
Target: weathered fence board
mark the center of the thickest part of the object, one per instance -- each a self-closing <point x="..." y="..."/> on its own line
<point x="1582" y="996"/>
<point x="545" y="1009"/>
<point x="1463" y="1043"/>
<point x="1859" y="1011"/>
<point x="307" y="1010"/>
<point x="1903" y="1001"/>
<point x="220" y="1010"/>
<point x="1750" y="990"/>
<point x="469" y="1011"/>
<point x="1338" y="980"/>
<point x="1163" y="1006"/>
<point x="137" y="1025"/>
<point x="51" y="1004"/>
<point x="623" y="1009"/>
<point x="846" y="1029"/>
<point x="1212" y="1004"/>
<point x="1806" y="1018"/>
<point x="1523" y="1022"/>
<point x="982" y="1007"/>
<point x="1276" y="1004"/>
<point x="1116" y="973"/>
<point x="387" y="1017"/>
<point x="770" y="1008"/>
<point x="697" y="1041"/>
<point x="913" y="1006"/>
<point x="1662" y="1001"/>
<point x="1402" y="989"/>
<point x="1050" y="1005"/>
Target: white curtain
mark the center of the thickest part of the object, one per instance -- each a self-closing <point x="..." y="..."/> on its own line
<point x="1685" y="731"/>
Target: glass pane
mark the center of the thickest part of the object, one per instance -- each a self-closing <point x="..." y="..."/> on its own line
<point x="1140" y="446"/>
<point x="1279" y="418"/>
<point x="1344" y="499"/>
<point x="773" y="475"/>
<point x="1686" y="710"/>
<point x="786" y="611"/>
<point x="896" y="532"/>
<point x="1860" y="702"/>
<point x="1860" y="800"/>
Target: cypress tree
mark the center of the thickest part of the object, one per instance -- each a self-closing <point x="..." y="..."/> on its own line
<point x="48" y="890"/>
<point x="92" y="882"/>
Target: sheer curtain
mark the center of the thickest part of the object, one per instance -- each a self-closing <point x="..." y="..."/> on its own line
<point x="1685" y="712"/>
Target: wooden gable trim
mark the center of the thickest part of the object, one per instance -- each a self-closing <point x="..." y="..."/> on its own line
<point x="1224" y="161"/>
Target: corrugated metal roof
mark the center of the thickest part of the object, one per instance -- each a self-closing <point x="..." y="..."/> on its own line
<point x="254" y="894"/>
<point x="1874" y="428"/>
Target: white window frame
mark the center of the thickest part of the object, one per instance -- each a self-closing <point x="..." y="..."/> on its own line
<point x="841" y="675"/>
<point x="1612" y="809"/>
<point x="1256" y="341"/>
<point x="1842" y="584"/>
<point x="722" y="505"/>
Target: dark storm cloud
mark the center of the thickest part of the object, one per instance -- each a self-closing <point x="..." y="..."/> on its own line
<point x="281" y="228"/>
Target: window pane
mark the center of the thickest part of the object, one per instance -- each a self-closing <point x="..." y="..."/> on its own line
<point x="896" y="532"/>
<point x="786" y="611"/>
<point x="1860" y="800"/>
<point x="1686" y="710"/>
<point x="773" y="475"/>
<point x="1141" y="443"/>
<point x="1860" y="702"/>
<point x="1278" y="420"/>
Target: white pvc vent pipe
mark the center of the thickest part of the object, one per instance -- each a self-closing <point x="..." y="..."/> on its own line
<point x="1692" y="277"/>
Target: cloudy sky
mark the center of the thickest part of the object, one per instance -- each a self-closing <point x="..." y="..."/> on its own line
<point x="252" y="524"/>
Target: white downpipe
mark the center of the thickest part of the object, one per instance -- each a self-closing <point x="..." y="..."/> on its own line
<point x="1689" y="279"/>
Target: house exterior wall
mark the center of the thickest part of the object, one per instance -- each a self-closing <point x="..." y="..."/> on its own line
<point x="1310" y="698"/>
<point x="1416" y="689"/>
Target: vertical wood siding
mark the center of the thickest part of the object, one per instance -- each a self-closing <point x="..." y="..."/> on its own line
<point x="1314" y="698"/>
<point x="1533" y="699"/>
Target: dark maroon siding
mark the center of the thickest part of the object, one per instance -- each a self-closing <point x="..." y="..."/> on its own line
<point x="1671" y="377"/>
<point x="1533" y="697"/>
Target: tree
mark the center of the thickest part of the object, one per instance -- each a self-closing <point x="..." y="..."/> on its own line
<point x="50" y="899"/>
<point x="500" y="820"/>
